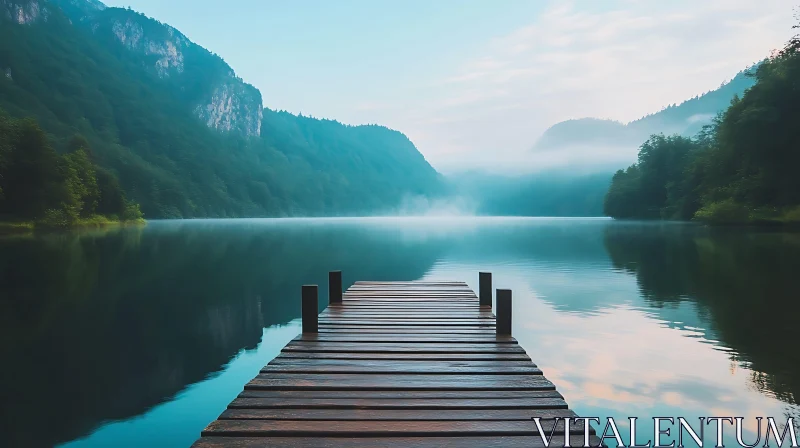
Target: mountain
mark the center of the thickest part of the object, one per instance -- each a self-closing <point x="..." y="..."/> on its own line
<point x="184" y="135"/>
<point x="620" y="141"/>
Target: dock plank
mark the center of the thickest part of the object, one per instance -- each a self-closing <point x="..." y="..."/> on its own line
<point x="332" y="414"/>
<point x="400" y="404"/>
<point x="377" y="428"/>
<point x="392" y="442"/>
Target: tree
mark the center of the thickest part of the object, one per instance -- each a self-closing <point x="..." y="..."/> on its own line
<point x="112" y="198"/>
<point x="31" y="174"/>
<point x="654" y="187"/>
<point x="624" y="198"/>
<point x="80" y="181"/>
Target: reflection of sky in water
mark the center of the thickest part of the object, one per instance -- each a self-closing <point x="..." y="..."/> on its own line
<point x="610" y="356"/>
<point x="583" y="322"/>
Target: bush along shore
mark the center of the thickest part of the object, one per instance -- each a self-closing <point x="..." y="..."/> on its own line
<point x="42" y="188"/>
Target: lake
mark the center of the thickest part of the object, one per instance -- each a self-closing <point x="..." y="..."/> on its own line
<point x="141" y="336"/>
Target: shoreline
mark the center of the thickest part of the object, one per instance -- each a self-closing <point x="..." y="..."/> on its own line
<point x="24" y="227"/>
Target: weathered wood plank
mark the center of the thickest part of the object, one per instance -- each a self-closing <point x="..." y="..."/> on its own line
<point x="410" y="294"/>
<point x="411" y="314"/>
<point x="394" y="414"/>
<point x="415" y="369"/>
<point x="339" y="381"/>
<point x="407" y="364"/>
<point x="391" y="442"/>
<point x="427" y="307"/>
<point x="371" y="428"/>
<point x="415" y="338"/>
<point x="404" y="404"/>
<point x="400" y="347"/>
<point x="403" y="330"/>
<point x="408" y="312"/>
<point x="407" y="356"/>
<point x="400" y="394"/>
<point x="399" y="298"/>
<point x="440" y="323"/>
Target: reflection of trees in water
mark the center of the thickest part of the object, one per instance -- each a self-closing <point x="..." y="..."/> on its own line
<point x="743" y="282"/>
<point x="103" y="326"/>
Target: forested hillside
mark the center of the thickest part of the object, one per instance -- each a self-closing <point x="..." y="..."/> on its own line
<point x="152" y="121"/>
<point x="740" y="169"/>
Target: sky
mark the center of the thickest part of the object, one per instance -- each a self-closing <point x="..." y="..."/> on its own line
<point x="474" y="83"/>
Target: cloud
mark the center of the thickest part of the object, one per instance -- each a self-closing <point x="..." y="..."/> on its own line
<point x="619" y="60"/>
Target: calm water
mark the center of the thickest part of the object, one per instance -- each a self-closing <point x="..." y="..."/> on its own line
<point x="140" y="337"/>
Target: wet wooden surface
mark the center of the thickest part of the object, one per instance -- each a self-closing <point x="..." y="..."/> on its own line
<point x="398" y="364"/>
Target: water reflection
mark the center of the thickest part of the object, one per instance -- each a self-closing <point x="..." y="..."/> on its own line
<point x="742" y="285"/>
<point x="159" y="327"/>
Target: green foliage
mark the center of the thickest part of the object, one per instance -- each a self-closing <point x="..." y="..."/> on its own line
<point x="80" y="178"/>
<point x="623" y="197"/>
<point x="792" y="214"/>
<point x="723" y="212"/>
<point x="131" y="212"/>
<point x="30" y="172"/>
<point x="740" y="169"/>
<point x="655" y="187"/>
<point x="54" y="190"/>
<point x="57" y="218"/>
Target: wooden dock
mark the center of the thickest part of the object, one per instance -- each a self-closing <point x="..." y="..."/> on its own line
<point x="401" y="364"/>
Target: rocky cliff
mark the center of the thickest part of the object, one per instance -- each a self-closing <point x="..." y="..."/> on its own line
<point x="25" y="12"/>
<point x="207" y="85"/>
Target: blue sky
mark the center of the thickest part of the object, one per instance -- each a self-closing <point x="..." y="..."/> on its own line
<point x="475" y="83"/>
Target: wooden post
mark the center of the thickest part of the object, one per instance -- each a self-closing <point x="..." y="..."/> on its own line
<point x="485" y="288"/>
<point x="503" y="312"/>
<point x="334" y="287"/>
<point x="310" y="309"/>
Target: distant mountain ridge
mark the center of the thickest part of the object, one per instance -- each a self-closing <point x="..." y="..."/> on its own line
<point x="686" y="119"/>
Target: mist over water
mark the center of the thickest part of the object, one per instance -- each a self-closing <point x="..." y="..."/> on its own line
<point x="454" y="205"/>
<point x="141" y="336"/>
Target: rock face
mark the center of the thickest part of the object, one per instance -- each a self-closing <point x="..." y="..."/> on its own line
<point x="25" y="12"/>
<point x="203" y="80"/>
<point x="168" y="51"/>
<point x="234" y="106"/>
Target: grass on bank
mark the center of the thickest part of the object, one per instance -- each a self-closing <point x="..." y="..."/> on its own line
<point x="55" y="222"/>
<point x="730" y="212"/>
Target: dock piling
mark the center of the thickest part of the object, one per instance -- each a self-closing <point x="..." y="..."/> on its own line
<point x="335" y="287"/>
<point x="485" y="288"/>
<point x="503" y="312"/>
<point x="310" y="310"/>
